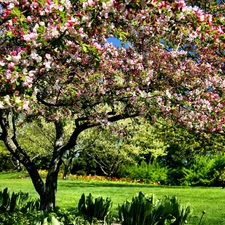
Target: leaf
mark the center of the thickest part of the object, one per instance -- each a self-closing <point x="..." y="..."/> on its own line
<point x="42" y="2"/>
<point x="45" y="222"/>
<point x="84" y="48"/>
<point x="15" y="12"/>
<point x="56" y="1"/>
<point x="55" y="221"/>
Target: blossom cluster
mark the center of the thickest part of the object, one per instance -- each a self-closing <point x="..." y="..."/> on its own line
<point x="56" y="61"/>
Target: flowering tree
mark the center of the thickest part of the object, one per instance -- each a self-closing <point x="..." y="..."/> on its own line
<point x="56" y="63"/>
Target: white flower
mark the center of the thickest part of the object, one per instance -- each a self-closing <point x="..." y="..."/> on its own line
<point x="26" y="106"/>
<point x="35" y="56"/>
<point x="17" y="100"/>
<point x="48" y="56"/>
<point x="168" y="94"/>
<point x="11" y="6"/>
<point x="2" y="63"/>
<point x="42" y="23"/>
<point x="1" y="105"/>
<point x="6" y="98"/>
<point x="29" y="37"/>
<point x="16" y="58"/>
<point x="54" y="32"/>
<point x="9" y="58"/>
<point x="47" y="64"/>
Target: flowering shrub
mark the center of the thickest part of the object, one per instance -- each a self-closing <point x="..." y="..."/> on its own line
<point x="110" y="179"/>
<point x="43" y="174"/>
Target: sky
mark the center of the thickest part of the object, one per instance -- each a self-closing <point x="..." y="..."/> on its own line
<point x="116" y="42"/>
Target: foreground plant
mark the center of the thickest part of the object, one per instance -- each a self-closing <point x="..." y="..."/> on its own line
<point x="93" y="209"/>
<point x="203" y="213"/>
<point x="56" y="63"/>
<point x="14" y="202"/>
<point x="143" y="210"/>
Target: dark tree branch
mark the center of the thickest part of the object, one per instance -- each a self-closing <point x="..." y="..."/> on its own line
<point x="18" y="153"/>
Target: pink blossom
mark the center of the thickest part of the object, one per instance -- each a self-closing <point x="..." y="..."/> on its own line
<point x="30" y="36"/>
<point x="11" y="65"/>
<point x="29" y="19"/>
<point x="181" y="3"/>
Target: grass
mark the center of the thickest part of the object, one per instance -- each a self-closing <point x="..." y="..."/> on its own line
<point x="212" y="200"/>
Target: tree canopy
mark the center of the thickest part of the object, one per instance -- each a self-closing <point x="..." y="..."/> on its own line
<point x="56" y="63"/>
<point x="56" y="60"/>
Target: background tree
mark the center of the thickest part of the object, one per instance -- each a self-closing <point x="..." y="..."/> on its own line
<point x="184" y="145"/>
<point x="6" y="159"/>
<point x="120" y="144"/>
<point x="56" y="63"/>
<point x="37" y="139"/>
<point x="110" y="151"/>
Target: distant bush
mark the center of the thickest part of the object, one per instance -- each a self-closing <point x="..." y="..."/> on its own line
<point x="205" y="171"/>
<point x="147" y="172"/>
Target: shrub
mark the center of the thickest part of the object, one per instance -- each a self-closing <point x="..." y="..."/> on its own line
<point x="147" y="172"/>
<point x="205" y="171"/>
<point x="175" y="176"/>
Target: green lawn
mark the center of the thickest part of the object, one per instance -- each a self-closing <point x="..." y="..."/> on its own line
<point x="212" y="200"/>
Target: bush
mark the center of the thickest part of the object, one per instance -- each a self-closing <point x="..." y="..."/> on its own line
<point x="175" y="176"/>
<point x="147" y="172"/>
<point x="205" y="171"/>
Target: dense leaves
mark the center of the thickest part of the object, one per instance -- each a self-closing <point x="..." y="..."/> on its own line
<point x="56" y="60"/>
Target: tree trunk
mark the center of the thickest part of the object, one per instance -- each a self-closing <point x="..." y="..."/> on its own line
<point x="68" y="163"/>
<point x="66" y="171"/>
<point x="48" y="196"/>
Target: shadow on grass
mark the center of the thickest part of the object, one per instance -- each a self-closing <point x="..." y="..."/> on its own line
<point x="100" y="184"/>
<point x="68" y="183"/>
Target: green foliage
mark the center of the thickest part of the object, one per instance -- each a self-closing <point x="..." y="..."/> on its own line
<point x="109" y="152"/>
<point x="5" y="158"/>
<point x="49" y="220"/>
<point x="17" y="202"/>
<point x="31" y="218"/>
<point x="183" y="144"/>
<point x="19" y="208"/>
<point x="151" y="172"/>
<point x="205" y="171"/>
<point x="136" y="211"/>
<point x="199" y="172"/>
<point x="148" y="139"/>
<point x="94" y="209"/>
<point x="143" y="210"/>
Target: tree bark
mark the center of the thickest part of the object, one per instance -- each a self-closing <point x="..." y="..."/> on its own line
<point x="48" y="196"/>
